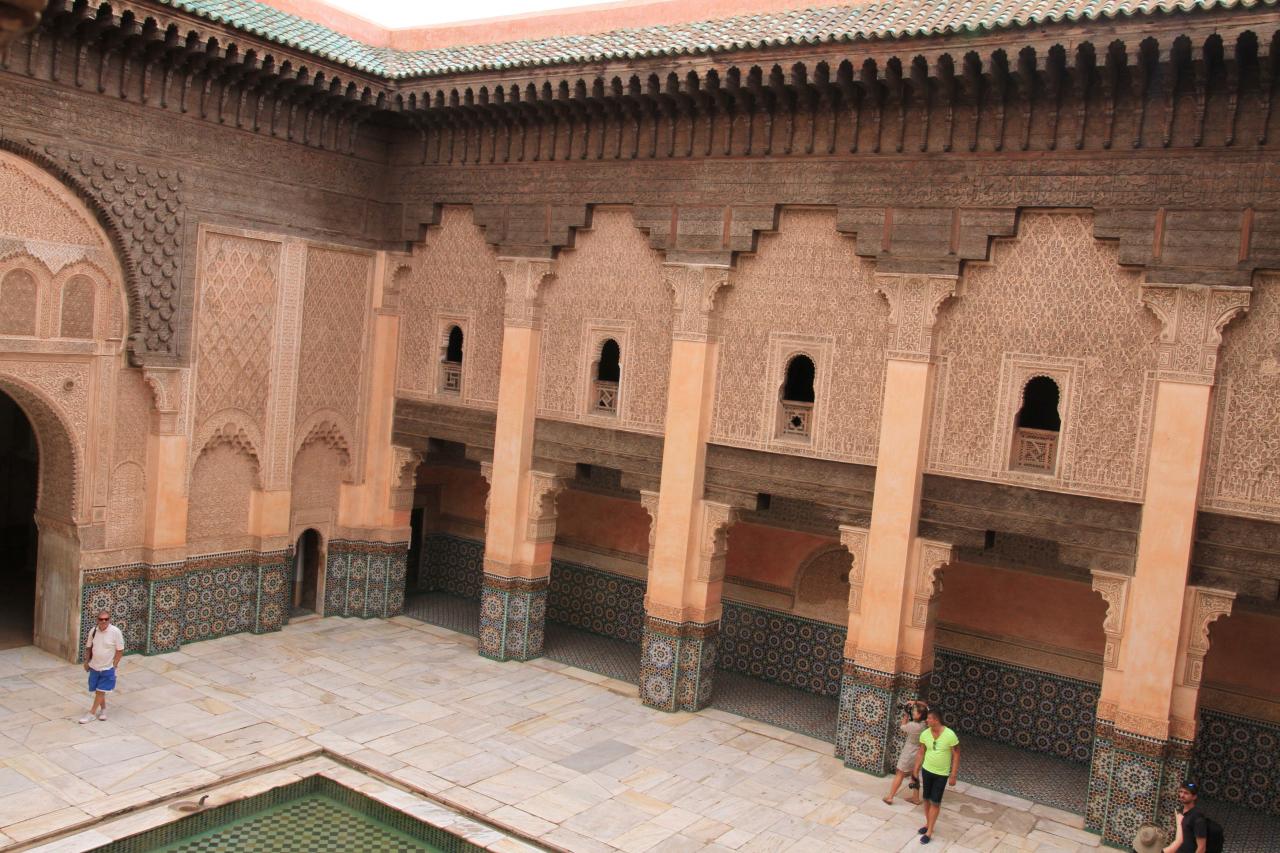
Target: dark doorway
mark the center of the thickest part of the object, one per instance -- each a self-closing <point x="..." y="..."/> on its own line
<point x="414" y="558"/>
<point x="19" y="468"/>
<point x="306" y="572"/>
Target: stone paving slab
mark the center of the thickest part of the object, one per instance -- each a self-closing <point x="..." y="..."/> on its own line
<point x="510" y="741"/>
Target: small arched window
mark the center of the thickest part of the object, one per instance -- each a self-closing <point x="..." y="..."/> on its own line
<point x="453" y="348"/>
<point x="451" y="362"/>
<point x="608" y="374"/>
<point x="796" y="411"/>
<point x="1037" y="427"/>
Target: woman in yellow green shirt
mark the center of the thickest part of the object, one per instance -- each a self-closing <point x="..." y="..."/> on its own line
<point x="937" y="762"/>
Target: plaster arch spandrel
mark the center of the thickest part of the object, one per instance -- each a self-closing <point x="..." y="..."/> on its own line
<point x="822" y="585"/>
<point x="141" y="211"/>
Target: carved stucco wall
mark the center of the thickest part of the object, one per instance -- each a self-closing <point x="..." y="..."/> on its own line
<point x="221" y="486"/>
<point x="610" y="285"/>
<point x="235" y="323"/>
<point x="453" y="276"/>
<point x="318" y="471"/>
<point x="1052" y="301"/>
<point x="126" y="502"/>
<point x="334" y="322"/>
<point x="805" y="290"/>
<point x="1243" y="473"/>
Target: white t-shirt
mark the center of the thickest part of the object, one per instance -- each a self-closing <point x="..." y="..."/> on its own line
<point x="104" y="644"/>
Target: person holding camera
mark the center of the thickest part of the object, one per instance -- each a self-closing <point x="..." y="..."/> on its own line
<point x="911" y="725"/>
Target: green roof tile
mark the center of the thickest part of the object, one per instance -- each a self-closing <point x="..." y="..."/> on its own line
<point x="809" y="26"/>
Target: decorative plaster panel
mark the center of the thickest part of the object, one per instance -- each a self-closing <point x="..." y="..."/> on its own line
<point x="807" y="276"/>
<point x="610" y="284"/>
<point x="1055" y="290"/>
<point x="455" y="272"/>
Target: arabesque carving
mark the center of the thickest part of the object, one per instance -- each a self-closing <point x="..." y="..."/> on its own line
<point x="543" y="490"/>
<point x="1114" y="590"/>
<point x="1192" y="318"/>
<point x="1207" y="607"/>
<point x="933" y="556"/>
<point x="523" y="279"/>
<point x="169" y="390"/>
<point x="649" y="500"/>
<point x="694" y="288"/>
<point x="717" y="518"/>
<point x="855" y="539"/>
<point x="914" y="301"/>
<point x="404" y="470"/>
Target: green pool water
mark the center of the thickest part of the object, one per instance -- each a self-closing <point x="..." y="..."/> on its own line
<point x="315" y="815"/>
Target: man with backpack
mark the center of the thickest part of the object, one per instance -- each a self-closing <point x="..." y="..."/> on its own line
<point x="1194" y="832"/>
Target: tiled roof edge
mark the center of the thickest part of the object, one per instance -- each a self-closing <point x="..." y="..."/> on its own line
<point x="814" y="26"/>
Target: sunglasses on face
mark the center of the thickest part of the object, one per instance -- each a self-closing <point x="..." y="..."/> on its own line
<point x="104" y="619"/>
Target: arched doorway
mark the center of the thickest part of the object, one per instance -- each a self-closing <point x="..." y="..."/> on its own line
<point x="306" y="572"/>
<point x="19" y="469"/>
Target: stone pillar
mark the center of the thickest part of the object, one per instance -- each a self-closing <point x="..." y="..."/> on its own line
<point x="686" y="557"/>
<point x="1157" y="626"/>
<point x="168" y="451"/>
<point x="520" y="524"/>
<point x="889" y="651"/>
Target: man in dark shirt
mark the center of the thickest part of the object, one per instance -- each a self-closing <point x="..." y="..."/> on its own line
<point x="1191" y="831"/>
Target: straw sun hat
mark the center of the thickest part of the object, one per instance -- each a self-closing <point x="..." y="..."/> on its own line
<point x="1150" y="839"/>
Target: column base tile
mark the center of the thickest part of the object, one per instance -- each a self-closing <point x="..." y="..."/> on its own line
<point x="513" y="615"/>
<point x="677" y="664"/>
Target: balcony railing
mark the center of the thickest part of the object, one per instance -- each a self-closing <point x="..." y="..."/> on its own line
<point x="1035" y="450"/>
<point x="604" y="397"/>
<point x="450" y="377"/>
<point x="797" y="419"/>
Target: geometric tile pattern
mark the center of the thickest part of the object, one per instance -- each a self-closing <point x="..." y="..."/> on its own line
<point x="446" y="610"/>
<point x="313" y="814"/>
<point x="677" y="664"/>
<point x="1022" y="707"/>
<point x="867" y="733"/>
<point x="598" y="601"/>
<point x="784" y="707"/>
<point x="1125" y="784"/>
<point x="1034" y="776"/>
<point x="365" y="579"/>
<point x="606" y="656"/>
<point x="781" y="648"/>
<point x="159" y="608"/>
<point x="452" y="564"/>
<point x="513" y="613"/>
<point x="1238" y="760"/>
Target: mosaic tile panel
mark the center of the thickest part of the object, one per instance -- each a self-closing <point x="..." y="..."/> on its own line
<point x="123" y="593"/>
<point x="219" y="596"/>
<point x="781" y="648"/>
<point x="597" y="601"/>
<point x="677" y="664"/>
<point x="1125" y="784"/>
<point x="1238" y="760"/>
<point x="166" y="615"/>
<point x="1026" y="708"/>
<point x="452" y="564"/>
<point x="867" y="734"/>
<point x="365" y="579"/>
<point x="273" y="594"/>
<point x="513" y="614"/>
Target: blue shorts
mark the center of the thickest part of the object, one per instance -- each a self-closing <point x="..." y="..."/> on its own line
<point x="102" y="682"/>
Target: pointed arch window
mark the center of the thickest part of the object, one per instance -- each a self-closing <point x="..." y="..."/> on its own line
<point x="1038" y="427"/>
<point x="795" y="419"/>
<point x="451" y="362"/>
<point x="608" y="376"/>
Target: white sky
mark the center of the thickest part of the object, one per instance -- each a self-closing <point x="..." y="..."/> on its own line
<point x="416" y="13"/>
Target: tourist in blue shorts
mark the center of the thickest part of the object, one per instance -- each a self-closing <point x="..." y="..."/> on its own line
<point x="103" y="651"/>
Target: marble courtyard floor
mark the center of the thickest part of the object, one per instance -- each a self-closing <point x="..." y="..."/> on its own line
<point x="560" y="755"/>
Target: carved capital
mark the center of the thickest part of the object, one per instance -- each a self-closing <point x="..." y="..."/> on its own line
<point x="169" y="393"/>
<point x="717" y="518"/>
<point x="914" y="301"/>
<point x="1192" y="318"/>
<point x="1114" y="590"/>
<point x="649" y="500"/>
<point x="932" y="556"/>
<point x="1207" y="606"/>
<point x="854" y="539"/>
<point x="695" y="287"/>
<point x="523" y="279"/>
<point x="404" y="469"/>
<point x="543" y="489"/>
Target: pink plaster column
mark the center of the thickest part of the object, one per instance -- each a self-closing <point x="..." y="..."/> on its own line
<point x="889" y="649"/>
<point x="520" y="525"/>
<point x="686" y="561"/>
<point x="1157" y="625"/>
